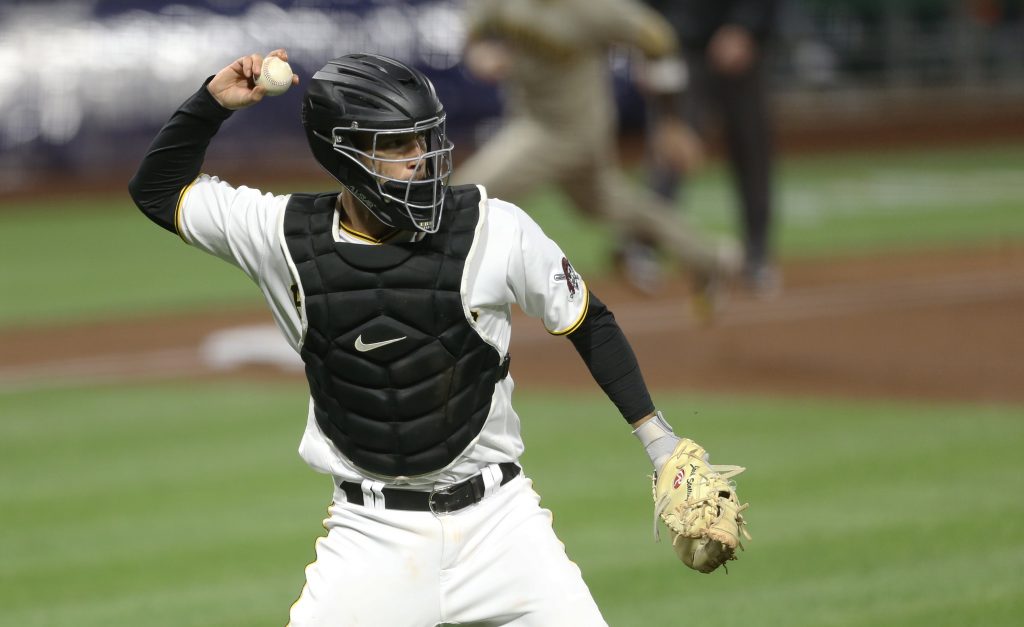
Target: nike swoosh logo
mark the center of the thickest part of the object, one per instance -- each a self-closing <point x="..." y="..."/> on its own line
<point x="362" y="347"/>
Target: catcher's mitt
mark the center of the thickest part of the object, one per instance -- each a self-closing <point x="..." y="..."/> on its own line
<point x="698" y="503"/>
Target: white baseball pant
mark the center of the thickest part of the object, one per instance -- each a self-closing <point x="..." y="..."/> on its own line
<point x="497" y="562"/>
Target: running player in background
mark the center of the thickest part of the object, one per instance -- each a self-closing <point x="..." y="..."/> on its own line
<point x="551" y="58"/>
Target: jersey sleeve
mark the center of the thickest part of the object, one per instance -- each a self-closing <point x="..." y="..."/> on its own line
<point x="543" y="280"/>
<point x="239" y="225"/>
<point x="632" y="23"/>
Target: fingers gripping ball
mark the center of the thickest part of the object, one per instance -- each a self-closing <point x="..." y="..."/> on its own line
<point x="698" y="504"/>
<point x="275" y="76"/>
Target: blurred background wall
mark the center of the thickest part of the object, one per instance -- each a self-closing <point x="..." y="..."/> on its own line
<point x="84" y="85"/>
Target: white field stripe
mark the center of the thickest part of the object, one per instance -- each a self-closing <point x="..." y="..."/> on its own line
<point x="115" y="367"/>
<point x="638" y="318"/>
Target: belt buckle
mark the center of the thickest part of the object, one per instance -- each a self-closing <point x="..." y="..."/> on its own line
<point x="437" y="508"/>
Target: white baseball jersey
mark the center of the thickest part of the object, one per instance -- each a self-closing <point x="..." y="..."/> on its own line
<point x="512" y="261"/>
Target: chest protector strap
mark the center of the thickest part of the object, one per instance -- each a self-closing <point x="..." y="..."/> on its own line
<point x="400" y="379"/>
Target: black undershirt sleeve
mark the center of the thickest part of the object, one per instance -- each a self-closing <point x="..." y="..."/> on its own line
<point x="175" y="157"/>
<point x="610" y="358"/>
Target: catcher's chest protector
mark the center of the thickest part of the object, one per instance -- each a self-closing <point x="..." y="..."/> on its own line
<point x="401" y="381"/>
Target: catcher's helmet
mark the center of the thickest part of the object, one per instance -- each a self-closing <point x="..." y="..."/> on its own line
<point x="348" y="105"/>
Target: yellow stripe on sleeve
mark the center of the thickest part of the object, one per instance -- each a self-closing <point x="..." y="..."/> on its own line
<point x="177" y="209"/>
<point x="579" y="321"/>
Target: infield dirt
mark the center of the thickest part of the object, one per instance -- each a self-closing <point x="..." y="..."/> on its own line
<point x="940" y="325"/>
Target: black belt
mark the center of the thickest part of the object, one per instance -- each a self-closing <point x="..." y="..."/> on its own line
<point x="444" y="501"/>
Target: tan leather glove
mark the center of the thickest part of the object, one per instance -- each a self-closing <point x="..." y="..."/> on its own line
<point x="699" y="506"/>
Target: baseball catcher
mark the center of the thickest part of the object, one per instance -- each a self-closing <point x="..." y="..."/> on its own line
<point x="696" y="501"/>
<point x="396" y="289"/>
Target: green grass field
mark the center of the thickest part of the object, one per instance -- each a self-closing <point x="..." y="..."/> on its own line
<point x="187" y="504"/>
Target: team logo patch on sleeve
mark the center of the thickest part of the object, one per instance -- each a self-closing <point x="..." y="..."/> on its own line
<point x="571" y="278"/>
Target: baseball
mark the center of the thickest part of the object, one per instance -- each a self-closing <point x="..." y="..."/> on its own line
<point x="275" y="76"/>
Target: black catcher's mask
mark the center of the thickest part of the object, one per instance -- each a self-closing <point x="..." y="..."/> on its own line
<point x="357" y="99"/>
